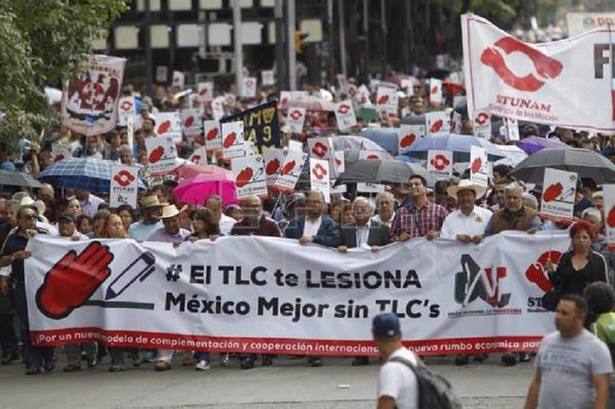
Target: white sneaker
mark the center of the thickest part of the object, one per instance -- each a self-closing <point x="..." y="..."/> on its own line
<point x="202" y="366"/>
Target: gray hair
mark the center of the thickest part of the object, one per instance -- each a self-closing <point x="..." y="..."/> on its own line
<point x="514" y="188"/>
<point x="125" y="148"/>
<point x="363" y="200"/>
<point x="315" y="192"/>
<point x="530" y="200"/>
<point x="385" y="195"/>
<point x="592" y="212"/>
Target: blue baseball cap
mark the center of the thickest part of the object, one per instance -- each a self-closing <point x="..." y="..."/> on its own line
<point x="386" y="325"/>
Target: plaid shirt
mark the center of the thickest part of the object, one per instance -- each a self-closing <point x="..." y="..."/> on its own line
<point x="418" y="222"/>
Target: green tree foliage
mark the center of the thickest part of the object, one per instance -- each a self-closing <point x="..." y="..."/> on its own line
<point x="43" y="42"/>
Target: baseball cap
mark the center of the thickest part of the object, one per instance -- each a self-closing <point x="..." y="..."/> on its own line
<point x="66" y="217"/>
<point x="386" y="325"/>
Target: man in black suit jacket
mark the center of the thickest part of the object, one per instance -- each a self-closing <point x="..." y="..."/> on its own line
<point x="363" y="231"/>
<point x="314" y="226"/>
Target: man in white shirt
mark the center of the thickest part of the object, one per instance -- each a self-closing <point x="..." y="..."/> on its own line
<point x="397" y="384"/>
<point x="467" y="223"/>
<point x="385" y="207"/>
<point x="151" y="208"/>
<point x="214" y="203"/>
<point x="89" y="202"/>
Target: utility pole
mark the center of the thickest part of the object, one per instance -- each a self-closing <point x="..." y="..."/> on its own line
<point x="331" y="41"/>
<point x="342" y="25"/>
<point x="238" y="44"/>
<point x="292" y="56"/>
<point x="147" y="44"/>
<point x="280" y="65"/>
<point x="366" y="33"/>
<point x="383" y="25"/>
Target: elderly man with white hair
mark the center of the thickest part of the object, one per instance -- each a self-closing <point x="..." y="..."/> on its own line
<point x="385" y="208"/>
<point x="254" y="221"/>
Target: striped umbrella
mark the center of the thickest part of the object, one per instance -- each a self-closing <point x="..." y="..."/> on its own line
<point x="90" y="174"/>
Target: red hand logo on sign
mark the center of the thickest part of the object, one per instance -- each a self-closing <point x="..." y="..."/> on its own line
<point x="189" y="121"/>
<point x="610" y="219"/>
<point x="319" y="171"/>
<point x="288" y="167"/>
<point x="164" y="127"/>
<point x="212" y="134"/>
<point x="123" y="178"/>
<point x="230" y="140"/>
<point x="552" y="192"/>
<point x="536" y="272"/>
<point x="440" y="162"/>
<point x="383" y="100"/>
<point x="437" y="126"/>
<point x="547" y="67"/>
<point x="407" y="140"/>
<point x="244" y="177"/>
<point x="156" y="154"/>
<point x="477" y="164"/>
<point x="73" y="280"/>
<point x="343" y="109"/>
<point x="272" y="167"/>
<point x="320" y="149"/>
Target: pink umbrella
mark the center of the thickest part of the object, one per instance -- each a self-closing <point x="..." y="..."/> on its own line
<point x="195" y="190"/>
<point x="189" y="170"/>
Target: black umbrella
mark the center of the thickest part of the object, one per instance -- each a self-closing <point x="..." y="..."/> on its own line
<point x="380" y="171"/>
<point x="12" y="178"/>
<point x="586" y="163"/>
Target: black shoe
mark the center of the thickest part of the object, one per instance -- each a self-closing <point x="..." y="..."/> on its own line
<point x="33" y="370"/>
<point x="360" y="361"/>
<point x="247" y="363"/>
<point x="314" y="362"/>
<point x="461" y="360"/>
<point x="267" y="360"/>
<point x="481" y="357"/>
<point x="524" y="357"/>
<point x="509" y="359"/>
<point x="50" y="366"/>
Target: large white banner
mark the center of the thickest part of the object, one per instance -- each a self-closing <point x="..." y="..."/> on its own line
<point x="272" y="295"/>
<point x="579" y="23"/>
<point x="564" y="83"/>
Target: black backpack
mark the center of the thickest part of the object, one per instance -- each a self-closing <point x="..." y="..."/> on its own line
<point x="434" y="390"/>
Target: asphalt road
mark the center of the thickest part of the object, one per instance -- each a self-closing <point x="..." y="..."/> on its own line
<point x="290" y="383"/>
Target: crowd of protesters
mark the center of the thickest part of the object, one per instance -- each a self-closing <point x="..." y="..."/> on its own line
<point x="454" y="208"/>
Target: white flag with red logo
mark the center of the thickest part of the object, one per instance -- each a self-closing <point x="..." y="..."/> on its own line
<point x="435" y="91"/>
<point x="608" y="192"/>
<point x="123" y="189"/>
<point x="199" y="156"/>
<point x="344" y="114"/>
<point x="249" y="176"/>
<point x="295" y="119"/>
<point x="213" y="137"/>
<point x="248" y="87"/>
<point x="479" y="166"/>
<point x="408" y="135"/>
<point x="290" y="171"/>
<point x="191" y="121"/>
<point x="481" y="123"/>
<point x="437" y="121"/>
<point x="267" y="77"/>
<point x="169" y="124"/>
<point x="322" y="148"/>
<point x="559" y="189"/>
<point x="565" y="83"/>
<point x="205" y="91"/>
<point x="274" y="159"/>
<point x="233" y="145"/>
<point x="125" y="110"/>
<point x="440" y="164"/>
<point x="161" y="154"/>
<point x="319" y="177"/>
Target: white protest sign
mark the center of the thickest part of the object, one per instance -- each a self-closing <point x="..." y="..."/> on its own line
<point x="274" y="159"/>
<point x="408" y="135"/>
<point x="169" y="124"/>
<point x="456" y="122"/>
<point x="217" y="108"/>
<point x="581" y="22"/>
<point x="162" y="73"/>
<point x="558" y="194"/>
<point x="387" y="101"/>
<point x="322" y="148"/>
<point x="285" y="97"/>
<point x="213" y="137"/>
<point x="60" y="151"/>
<point x="123" y="189"/>
<point x="437" y="121"/>
<point x="370" y="187"/>
<point x="363" y="95"/>
<point x="290" y="171"/>
<point x="608" y="193"/>
<point x="479" y="166"/>
<point x="512" y="129"/>
<point x="161" y="153"/>
<point x="126" y="109"/>
<point x="232" y="140"/>
<point x="340" y="162"/>
<point x="248" y="87"/>
<point x="249" y="176"/>
<point x="179" y="79"/>
<point x="440" y="164"/>
<point x="267" y="77"/>
<point x="344" y="114"/>
<point x="205" y="91"/>
<point x="295" y="119"/>
<point x="192" y="123"/>
<point x="295" y="146"/>
<point x="130" y="132"/>
<point x="407" y="84"/>
<point x="435" y="92"/>
<point x="319" y="177"/>
<point x="199" y="156"/>
<point x="481" y="124"/>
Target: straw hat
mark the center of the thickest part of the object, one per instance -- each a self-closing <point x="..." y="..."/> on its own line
<point x="466" y="184"/>
<point x="150" y="201"/>
<point x="169" y="211"/>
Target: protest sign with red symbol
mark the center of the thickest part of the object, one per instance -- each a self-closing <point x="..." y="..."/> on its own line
<point x="340" y="162"/>
<point x="169" y="124"/>
<point x="479" y="166"/>
<point x="123" y="190"/>
<point x="344" y="115"/>
<point x="161" y="154"/>
<point x="387" y="101"/>
<point x="440" y="164"/>
<point x="539" y="82"/>
<point x="205" y="91"/>
<point x="370" y="187"/>
<point x="295" y="119"/>
<point x="407" y="85"/>
<point x="322" y="148"/>
<point x="233" y="145"/>
<point x="319" y="177"/>
<point x="267" y="77"/>
<point x="481" y="123"/>
<point x="558" y="194"/>
<point x="408" y="135"/>
<point x="249" y="176"/>
<point x="608" y="193"/>
<point x="512" y="129"/>
<point x="371" y="155"/>
<point x="435" y="92"/>
<point x="125" y="109"/>
<point x="363" y="95"/>
<point x="456" y="122"/>
<point x="199" y="156"/>
<point x="213" y="137"/>
<point x="192" y="124"/>
<point x="217" y="108"/>
<point x="248" y="87"/>
<point x="290" y="170"/>
<point x="285" y="97"/>
<point x="437" y="121"/>
<point x="274" y="159"/>
<point x="179" y="79"/>
<point x="60" y="151"/>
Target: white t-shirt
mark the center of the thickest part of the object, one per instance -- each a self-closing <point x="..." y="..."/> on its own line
<point x="458" y="223"/>
<point x="398" y="381"/>
<point x="311" y="229"/>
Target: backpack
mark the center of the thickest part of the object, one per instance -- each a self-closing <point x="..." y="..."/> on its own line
<point x="435" y="392"/>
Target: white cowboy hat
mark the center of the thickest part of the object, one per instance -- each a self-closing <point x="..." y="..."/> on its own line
<point x="466" y="184"/>
<point x="169" y="211"/>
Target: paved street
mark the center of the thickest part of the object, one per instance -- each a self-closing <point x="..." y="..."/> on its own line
<point x="288" y="384"/>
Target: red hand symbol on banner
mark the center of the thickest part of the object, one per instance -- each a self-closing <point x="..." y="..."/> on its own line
<point x="436" y="126"/>
<point x="383" y="100"/>
<point x="482" y="118"/>
<point x="343" y="109"/>
<point x="288" y="167"/>
<point x="73" y="280"/>
<point x="546" y="66"/>
<point x="164" y="127"/>
<point x="212" y="134"/>
<point x="536" y="272"/>
<point x="320" y="149"/>
<point x="156" y="154"/>
<point x="272" y="167"/>
<point x="188" y="122"/>
<point x="123" y="178"/>
<point x="244" y="177"/>
<point x="296" y="115"/>
<point x="319" y="171"/>
<point x="477" y="164"/>
<point x="440" y="162"/>
<point x="552" y="192"/>
<point x="230" y="140"/>
<point x="407" y="140"/>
